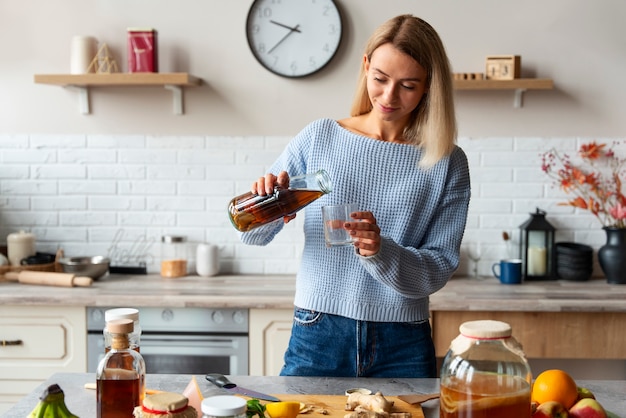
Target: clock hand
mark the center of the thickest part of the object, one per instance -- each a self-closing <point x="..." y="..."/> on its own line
<point x="292" y="30"/>
<point x="285" y="26"/>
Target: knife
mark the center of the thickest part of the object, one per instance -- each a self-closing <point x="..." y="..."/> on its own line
<point x="221" y="381"/>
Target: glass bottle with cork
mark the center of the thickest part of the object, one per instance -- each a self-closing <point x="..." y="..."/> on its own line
<point x="485" y="373"/>
<point x="249" y="210"/>
<point x="122" y="313"/>
<point x="121" y="374"/>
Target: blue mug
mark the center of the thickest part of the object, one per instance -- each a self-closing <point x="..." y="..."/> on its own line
<point x="509" y="271"/>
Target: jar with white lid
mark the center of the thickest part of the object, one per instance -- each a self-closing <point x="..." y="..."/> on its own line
<point x="224" y="406"/>
<point x="122" y="313"/>
<point x="485" y="373"/>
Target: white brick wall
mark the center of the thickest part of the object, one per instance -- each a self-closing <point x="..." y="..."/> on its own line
<point x="118" y="195"/>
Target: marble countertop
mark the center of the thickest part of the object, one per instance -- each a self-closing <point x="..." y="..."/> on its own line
<point x="277" y="291"/>
<point x="82" y="402"/>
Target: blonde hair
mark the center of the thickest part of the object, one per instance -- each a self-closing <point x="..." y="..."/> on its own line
<point x="433" y="124"/>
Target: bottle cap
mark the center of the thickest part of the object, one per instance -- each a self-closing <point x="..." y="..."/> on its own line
<point x="121" y="313"/>
<point x="120" y="326"/>
<point x="173" y="239"/>
<point x="223" y="406"/>
<point x="485" y="329"/>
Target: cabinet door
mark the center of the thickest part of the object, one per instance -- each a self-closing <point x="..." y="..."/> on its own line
<point x="36" y="342"/>
<point x="270" y="330"/>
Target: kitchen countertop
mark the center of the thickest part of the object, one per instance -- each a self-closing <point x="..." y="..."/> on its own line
<point x="82" y="402"/>
<point x="277" y="291"/>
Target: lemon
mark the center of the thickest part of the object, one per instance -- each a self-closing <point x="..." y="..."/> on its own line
<point x="287" y="409"/>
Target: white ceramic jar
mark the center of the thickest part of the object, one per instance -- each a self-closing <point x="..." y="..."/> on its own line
<point x="207" y="262"/>
<point x="19" y="246"/>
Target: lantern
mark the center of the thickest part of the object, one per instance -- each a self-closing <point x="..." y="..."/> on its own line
<point x="537" y="247"/>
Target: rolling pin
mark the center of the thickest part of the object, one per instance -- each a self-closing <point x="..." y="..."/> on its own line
<point x="48" y="278"/>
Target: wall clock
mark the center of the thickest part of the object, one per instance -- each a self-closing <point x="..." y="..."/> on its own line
<point x="294" y="38"/>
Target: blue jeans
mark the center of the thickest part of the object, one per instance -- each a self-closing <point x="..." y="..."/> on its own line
<point x="330" y="345"/>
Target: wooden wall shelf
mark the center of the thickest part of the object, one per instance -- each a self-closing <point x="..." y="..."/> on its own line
<point x="519" y="85"/>
<point x="83" y="82"/>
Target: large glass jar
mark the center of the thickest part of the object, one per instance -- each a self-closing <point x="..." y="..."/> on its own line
<point x="485" y="374"/>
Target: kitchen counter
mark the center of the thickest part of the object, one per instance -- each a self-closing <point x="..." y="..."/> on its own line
<point x="82" y="402"/>
<point x="276" y="291"/>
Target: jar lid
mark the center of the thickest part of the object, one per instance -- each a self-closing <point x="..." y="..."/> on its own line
<point x="223" y="406"/>
<point x="120" y="326"/>
<point x="173" y="239"/>
<point x="165" y="402"/>
<point x="485" y="329"/>
<point x="121" y="313"/>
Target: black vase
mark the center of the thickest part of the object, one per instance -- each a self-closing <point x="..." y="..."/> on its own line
<point x="612" y="255"/>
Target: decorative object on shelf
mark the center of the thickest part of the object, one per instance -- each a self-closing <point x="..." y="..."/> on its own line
<point x="503" y="67"/>
<point x="142" y="50"/>
<point x="596" y="185"/>
<point x="612" y="255"/>
<point x="574" y="261"/>
<point x="103" y="62"/>
<point x="468" y="76"/>
<point x="537" y="247"/>
<point x="83" y="51"/>
<point x="293" y="38"/>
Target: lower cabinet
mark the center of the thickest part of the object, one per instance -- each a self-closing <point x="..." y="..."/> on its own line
<point x="36" y="342"/>
<point x="270" y="330"/>
<point x="554" y="335"/>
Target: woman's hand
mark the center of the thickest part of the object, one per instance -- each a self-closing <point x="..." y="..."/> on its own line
<point x="365" y="233"/>
<point x="265" y="186"/>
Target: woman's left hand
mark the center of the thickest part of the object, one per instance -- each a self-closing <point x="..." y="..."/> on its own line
<point x="364" y="232"/>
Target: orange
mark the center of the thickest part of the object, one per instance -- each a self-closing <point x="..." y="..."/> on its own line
<point x="287" y="409"/>
<point x="555" y="385"/>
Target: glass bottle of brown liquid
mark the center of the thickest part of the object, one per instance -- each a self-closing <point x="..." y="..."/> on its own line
<point x="121" y="374"/>
<point x="249" y="210"/>
<point x="485" y="374"/>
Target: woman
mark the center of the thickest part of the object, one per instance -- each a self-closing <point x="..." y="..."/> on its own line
<point x="363" y="310"/>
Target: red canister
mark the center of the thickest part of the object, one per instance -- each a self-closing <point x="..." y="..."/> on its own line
<point x="142" y="50"/>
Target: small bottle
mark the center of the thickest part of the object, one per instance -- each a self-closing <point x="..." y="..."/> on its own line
<point x="121" y="374"/>
<point x="485" y="373"/>
<point x="249" y="210"/>
<point x="173" y="256"/>
<point x="225" y="406"/>
<point x="122" y="313"/>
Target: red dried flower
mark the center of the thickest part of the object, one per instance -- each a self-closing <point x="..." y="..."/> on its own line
<point x="596" y="182"/>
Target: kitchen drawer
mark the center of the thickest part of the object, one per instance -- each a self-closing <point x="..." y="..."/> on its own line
<point x="40" y="339"/>
<point x="53" y="339"/>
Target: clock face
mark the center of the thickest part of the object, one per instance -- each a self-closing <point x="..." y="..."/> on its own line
<point x="294" y="38"/>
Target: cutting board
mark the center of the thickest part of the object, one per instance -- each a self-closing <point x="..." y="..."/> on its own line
<point x="335" y="405"/>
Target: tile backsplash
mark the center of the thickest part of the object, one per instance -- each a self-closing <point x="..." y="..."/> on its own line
<point x="117" y="195"/>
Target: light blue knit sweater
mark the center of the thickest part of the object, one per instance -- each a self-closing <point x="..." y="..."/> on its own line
<point x="421" y="214"/>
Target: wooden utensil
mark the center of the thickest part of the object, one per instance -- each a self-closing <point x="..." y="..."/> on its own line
<point x="418" y="398"/>
<point x="48" y="278"/>
<point x="335" y="405"/>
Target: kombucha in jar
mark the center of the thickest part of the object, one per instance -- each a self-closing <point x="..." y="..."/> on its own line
<point x="485" y="374"/>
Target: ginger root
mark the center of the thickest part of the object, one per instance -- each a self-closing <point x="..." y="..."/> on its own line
<point x="377" y="403"/>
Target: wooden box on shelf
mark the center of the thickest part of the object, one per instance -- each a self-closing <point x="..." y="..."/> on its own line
<point x="503" y="67"/>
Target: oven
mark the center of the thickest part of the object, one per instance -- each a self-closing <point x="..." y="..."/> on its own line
<point x="181" y="340"/>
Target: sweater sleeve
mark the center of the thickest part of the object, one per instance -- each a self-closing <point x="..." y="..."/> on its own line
<point x="418" y="271"/>
<point x="293" y="161"/>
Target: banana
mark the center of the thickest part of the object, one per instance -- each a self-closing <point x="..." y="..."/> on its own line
<point x="52" y="404"/>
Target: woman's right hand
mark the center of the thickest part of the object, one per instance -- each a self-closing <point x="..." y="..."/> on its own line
<point x="265" y="186"/>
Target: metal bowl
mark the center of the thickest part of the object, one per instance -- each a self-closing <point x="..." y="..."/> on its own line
<point x="94" y="267"/>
